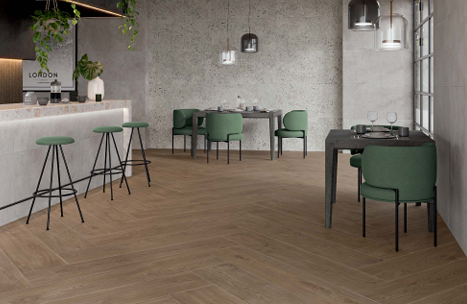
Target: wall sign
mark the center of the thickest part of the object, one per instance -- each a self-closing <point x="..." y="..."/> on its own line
<point x="62" y="63"/>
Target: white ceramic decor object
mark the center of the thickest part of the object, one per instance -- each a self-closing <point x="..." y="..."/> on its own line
<point x="95" y="86"/>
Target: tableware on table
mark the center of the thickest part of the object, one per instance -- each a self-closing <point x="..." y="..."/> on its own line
<point x="43" y="101"/>
<point x="404" y="132"/>
<point x="361" y="129"/>
<point x="220" y="108"/>
<point x="82" y="98"/>
<point x="30" y="99"/>
<point x="378" y="135"/>
<point x="380" y="129"/>
<point x="98" y="97"/>
<point x="391" y="117"/>
<point x="256" y="108"/>
<point x="236" y="110"/>
<point x="372" y="116"/>
<point x="249" y="108"/>
<point x="65" y="100"/>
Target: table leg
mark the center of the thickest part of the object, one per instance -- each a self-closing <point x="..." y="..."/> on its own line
<point x="331" y="182"/>
<point x="271" y="136"/>
<point x="194" y="137"/>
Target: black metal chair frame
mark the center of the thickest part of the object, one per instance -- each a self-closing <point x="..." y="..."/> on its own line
<point x="435" y="226"/>
<point x="110" y="170"/>
<point x="136" y="162"/>
<point x="48" y="193"/>
<point x="305" y="144"/>
<point x="184" y="140"/>
<point x="206" y="137"/>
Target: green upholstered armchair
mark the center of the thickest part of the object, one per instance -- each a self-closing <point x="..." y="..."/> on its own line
<point x="183" y="125"/>
<point x="224" y="128"/>
<point x="356" y="159"/>
<point x="400" y="175"/>
<point x="296" y="126"/>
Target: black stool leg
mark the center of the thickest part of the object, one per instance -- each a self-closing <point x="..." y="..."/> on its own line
<point x="50" y="189"/>
<point x="38" y="184"/>
<point x="128" y="152"/>
<point x="120" y="162"/>
<point x="59" y="181"/>
<point x="94" y="167"/>
<point x="144" y="158"/>
<point x="105" y="159"/>
<point x="71" y="182"/>
<point x="110" y="170"/>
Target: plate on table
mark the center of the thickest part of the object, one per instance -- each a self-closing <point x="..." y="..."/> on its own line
<point x="378" y="135"/>
<point x="379" y="129"/>
<point x="237" y="110"/>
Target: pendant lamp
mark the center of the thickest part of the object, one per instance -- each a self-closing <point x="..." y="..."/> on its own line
<point x="391" y="32"/>
<point x="363" y="14"/>
<point x="249" y="40"/>
<point x="228" y="56"/>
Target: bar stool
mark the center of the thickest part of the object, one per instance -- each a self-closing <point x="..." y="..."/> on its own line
<point x="54" y="143"/>
<point x="107" y="131"/>
<point x="136" y="162"/>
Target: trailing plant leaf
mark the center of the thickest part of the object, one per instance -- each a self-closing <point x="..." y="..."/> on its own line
<point x="87" y="69"/>
<point x="130" y="24"/>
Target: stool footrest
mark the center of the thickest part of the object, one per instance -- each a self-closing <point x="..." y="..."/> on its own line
<point x="136" y="162"/>
<point x="46" y="193"/>
<point x="100" y="171"/>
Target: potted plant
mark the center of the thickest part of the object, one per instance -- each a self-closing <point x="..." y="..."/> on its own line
<point x="90" y="71"/>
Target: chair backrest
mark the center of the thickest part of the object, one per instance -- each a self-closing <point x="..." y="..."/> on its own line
<point x="218" y="126"/>
<point x="296" y="120"/>
<point x="184" y="117"/>
<point x="411" y="170"/>
<point x="394" y="127"/>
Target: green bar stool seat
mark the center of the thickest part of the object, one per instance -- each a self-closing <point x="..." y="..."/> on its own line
<point x="55" y="143"/>
<point x="183" y="125"/>
<point x="400" y="175"/>
<point x="136" y="162"/>
<point x="108" y="132"/>
<point x="296" y="126"/>
<point x="224" y="128"/>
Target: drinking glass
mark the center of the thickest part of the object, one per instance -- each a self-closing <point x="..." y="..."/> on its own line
<point x="391" y="118"/>
<point x="372" y="116"/>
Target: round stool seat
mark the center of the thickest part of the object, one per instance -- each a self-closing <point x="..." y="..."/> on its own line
<point x="135" y="124"/>
<point x="107" y="129"/>
<point x="55" y="141"/>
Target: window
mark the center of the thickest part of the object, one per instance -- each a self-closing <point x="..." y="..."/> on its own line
<point x="423" y="65"/>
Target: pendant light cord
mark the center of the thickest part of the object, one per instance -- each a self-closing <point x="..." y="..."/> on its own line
<point x="228" y="16"/>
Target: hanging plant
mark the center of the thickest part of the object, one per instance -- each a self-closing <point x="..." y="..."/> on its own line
<point x="50" y="27"/>
<point x="87" y="69"/>
<point x="130" y="24"/>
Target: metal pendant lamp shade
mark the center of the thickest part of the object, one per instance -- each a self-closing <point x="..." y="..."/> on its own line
<point x="249" y="43"/>
<point x="391" y="32"/>
<point x="363" y="14"/>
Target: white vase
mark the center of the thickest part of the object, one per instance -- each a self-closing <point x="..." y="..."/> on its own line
<point x="95" y="86"/>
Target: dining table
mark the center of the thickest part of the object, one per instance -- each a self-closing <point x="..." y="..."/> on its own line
<point x="338" y="140"/>
<point x="271" y="115"/>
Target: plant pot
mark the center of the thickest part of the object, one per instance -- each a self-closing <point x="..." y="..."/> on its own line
<point x="95" y="86"/>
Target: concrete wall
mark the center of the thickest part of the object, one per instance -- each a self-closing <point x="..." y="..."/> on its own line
<point x="299" y="65"/>
<point x="450" y="112"/>
<point x="376" y="81"/>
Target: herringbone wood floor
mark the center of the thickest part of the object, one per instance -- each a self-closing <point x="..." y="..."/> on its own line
<point x="251" y="232"/>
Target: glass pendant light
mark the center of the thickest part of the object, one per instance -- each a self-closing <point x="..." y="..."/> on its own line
<point x="363" y="14"/>
<point x="391" y="32"/>
<point x="249" y="40"/>
<point x="228" y="56"/>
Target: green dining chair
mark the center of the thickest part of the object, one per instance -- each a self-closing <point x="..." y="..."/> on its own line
<point x="356" y="159"/>
<point x="183" y="125"/>
<point x="224" y="128"/>
<point x="296" y="126"/>
<point x="400" y="175"/>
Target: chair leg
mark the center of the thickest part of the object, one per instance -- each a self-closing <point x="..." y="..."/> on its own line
<point x="278" y="146"/>
<point x="72" y="184"/>
<point x="435" y="216"/>
<point x="105" y="160"/>
<point x="51" y="187"/>
<point x="306" y="144"/>
<point x="128" y="152"/>
<point x="94" y="167"/>
<point x="38" y="184"/>
<point x="173" y="137"/>
<point x="397" y="220"/>
<point x="405" y="218"/>
<point x="240" y="157"/>
<point x="204" y="143"/>
<point x="418" y="204"/>
<point x="184" y="143"/>
<point x="59" y="181"/>
<point x="359" y="182"/>
<point x="144" y="158"/>
<point x="364" y="217"/>
<point x="110" y="170"/>
<point x="304" y="147"/>
<point x="209" y="145"/>
<point x="228" y="152"/>
<point x="282" y="146"/>
<point x="120" y="162"/>
<point x="217" y="150"/>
